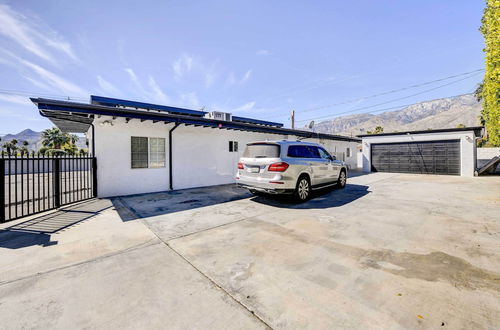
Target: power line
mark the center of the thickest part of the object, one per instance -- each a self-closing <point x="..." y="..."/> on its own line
<point x="472" y="73"/>
<point x="395" y="108"/>
<point x="403" y="106"/>
<point x="390" y="101"/>
<point x="25" y="93"/>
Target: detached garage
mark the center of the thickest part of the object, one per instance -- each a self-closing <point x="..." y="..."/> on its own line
<point x="449" y="151"/>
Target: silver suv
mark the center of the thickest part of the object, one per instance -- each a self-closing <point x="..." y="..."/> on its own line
<point x="293" y="167"/>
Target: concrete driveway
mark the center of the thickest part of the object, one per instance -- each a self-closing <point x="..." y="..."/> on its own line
<point x="388" y="251"/>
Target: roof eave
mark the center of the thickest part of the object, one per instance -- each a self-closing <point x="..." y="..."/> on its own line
<point x="55" y="106"/>
<point x="478" y="132"/>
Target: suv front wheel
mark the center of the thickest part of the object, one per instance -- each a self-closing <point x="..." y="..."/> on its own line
<point x="342" y="179"/>
<point x="303" y="189"/>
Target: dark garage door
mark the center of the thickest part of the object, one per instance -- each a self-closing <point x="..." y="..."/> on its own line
<point x="433" y="157"/>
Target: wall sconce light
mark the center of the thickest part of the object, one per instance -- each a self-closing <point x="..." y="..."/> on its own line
<point x="107" y="123"/>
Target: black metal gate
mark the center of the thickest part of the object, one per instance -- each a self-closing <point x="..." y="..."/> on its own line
<point x="30" y="185"/>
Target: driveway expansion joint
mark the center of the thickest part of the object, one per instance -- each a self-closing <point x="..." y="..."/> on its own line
<point x="205" y="275"/>
<point x="148" y="243"/>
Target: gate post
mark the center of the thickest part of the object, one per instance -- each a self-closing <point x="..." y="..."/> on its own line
<point x="2" y="189"/>
<point x="94" y="177"/>
<point x="56" y="173"/>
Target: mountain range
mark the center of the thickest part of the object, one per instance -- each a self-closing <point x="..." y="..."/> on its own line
<point x="34" y="139"/>
<point x="440" y="113"/>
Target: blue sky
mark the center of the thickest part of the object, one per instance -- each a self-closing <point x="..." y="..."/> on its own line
<point x="253" y="58"/>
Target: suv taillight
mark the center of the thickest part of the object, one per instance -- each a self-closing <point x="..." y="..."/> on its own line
<point x="278" y="167"/>
<point x="240" y="166"/>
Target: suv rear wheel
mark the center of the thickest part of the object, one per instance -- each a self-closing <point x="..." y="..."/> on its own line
<point x="303" y="189"/>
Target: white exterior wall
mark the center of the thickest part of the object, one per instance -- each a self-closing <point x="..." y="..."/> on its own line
<point x="334" y="146"/>
<point x="113" y="151"/>
<point x="200" y="158"/>
<point x="467" y="147"/>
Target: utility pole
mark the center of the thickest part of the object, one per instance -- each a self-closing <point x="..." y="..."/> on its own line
<point x="292" y="118"/>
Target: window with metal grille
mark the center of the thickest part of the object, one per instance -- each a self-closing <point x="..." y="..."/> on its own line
<point x="348" y="152"/>
<point x="156" y="152"/>
<point x="139" y="152"/>
<point x="147" y="152"/>
<point x="233" y="146"/>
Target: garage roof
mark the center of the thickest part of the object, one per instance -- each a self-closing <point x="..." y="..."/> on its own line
<point x="478" y="131"/>
<point x="77" y="118"/>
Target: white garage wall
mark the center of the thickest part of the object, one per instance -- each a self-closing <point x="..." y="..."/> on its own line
<point x="201" y="156"/>
<point x="467" y="147"/>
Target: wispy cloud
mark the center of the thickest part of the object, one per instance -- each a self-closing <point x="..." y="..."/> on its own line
<point x="210" y="78"/>
<point x="246" y="76"/>
<point x="132" y="76"/>
<point x="245" y="107"/>
<point x="263" y="52"/>
<point x="193" y="67"/>
<point x="55" y="81"/>
<point x="190" y="100"/>
<point x="232" y="80"/>
<point x="153" y="93"/>
<point x="182" y="65"/>
<point x="15" y="99"/>
<point x="107" y="87"/>
<point x="49" y="78"/>
<point x="37" y="83"/>
<point x="35" y="39"/>
<point x="157" y="93"/>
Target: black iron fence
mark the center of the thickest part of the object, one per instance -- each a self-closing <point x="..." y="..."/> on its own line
<point x="30" y="185"/>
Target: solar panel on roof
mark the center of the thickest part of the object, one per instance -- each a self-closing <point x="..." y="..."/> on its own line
<point x="112" y="102"/>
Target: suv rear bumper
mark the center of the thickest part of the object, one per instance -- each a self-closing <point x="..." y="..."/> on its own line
<point x="276" y="190"/>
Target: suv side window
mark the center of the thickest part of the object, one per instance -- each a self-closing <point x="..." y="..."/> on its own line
<point x="303" y="152"/>
<point x="324" y="154"/>
<point x="313" y="152"/>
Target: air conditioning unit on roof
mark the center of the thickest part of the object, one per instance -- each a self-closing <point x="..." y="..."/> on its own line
<point x="217" y="115"/>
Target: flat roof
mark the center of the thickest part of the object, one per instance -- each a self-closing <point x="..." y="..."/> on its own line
<point x="478" y="131"/>
<point x="77" y="118"/>
<point x="112" y="102"/>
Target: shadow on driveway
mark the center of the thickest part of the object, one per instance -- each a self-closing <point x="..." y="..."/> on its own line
<point x="320" y="199"/>
<point x="162" y="203"/>
<point x="36" y="231"/>
<point x="139" y="206"/>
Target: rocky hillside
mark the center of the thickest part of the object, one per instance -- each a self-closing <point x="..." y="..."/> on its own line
<point x="34" y="139"/>
<point x="440" y="113"/>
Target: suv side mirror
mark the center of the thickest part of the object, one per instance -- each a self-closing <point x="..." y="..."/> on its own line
<point x="333" y="157"/>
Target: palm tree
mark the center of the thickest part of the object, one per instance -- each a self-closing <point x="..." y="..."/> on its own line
<point x="54" y="138"/>
<point x="73" y="138"/>
<point x="11" y="146"/>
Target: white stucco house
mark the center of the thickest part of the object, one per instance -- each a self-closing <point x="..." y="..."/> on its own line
<point x="448" y="151"/>
<point x="142" y="147"/>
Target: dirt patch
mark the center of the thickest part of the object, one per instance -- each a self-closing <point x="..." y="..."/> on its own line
<point x="435" y="266"/>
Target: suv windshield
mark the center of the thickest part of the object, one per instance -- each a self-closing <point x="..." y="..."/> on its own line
<point x="262" y="150"/>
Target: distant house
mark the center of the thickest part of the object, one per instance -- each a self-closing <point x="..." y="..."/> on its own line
<point x="142" y="147"/>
